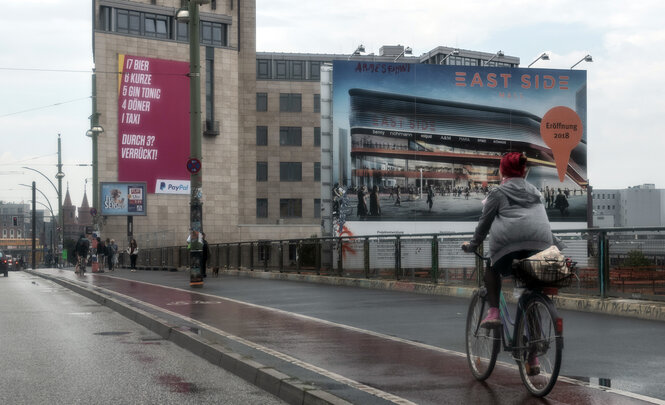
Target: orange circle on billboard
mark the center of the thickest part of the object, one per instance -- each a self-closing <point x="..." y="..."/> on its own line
<point x="561" y="129"/>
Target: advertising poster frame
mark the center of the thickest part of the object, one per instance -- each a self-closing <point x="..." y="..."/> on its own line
<point x="124" y="198"/>
<point x="153" y="120"/>
<point x="426" y="140"/>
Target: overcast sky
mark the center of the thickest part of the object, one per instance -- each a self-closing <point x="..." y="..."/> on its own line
<point x="46" y="59"/>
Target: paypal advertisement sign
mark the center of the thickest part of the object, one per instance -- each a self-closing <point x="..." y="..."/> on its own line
<point x="163" y="186"/>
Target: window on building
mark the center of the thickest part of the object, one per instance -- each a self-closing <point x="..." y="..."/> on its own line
<point x="280" y="69"/>
<point x="290" y="208"/>
<point x="182" y="31"/>
<point x="261" y="171"/>
<point x="156" y="25"/>
<point x="18" y="233"/>
<point x="315" y="70"/>
<point x="213" y="33"/>
<point x="317" y="208"/>
<point x="105" y="18"/>
<point x="290" y="136"/>
<point x="263" y="69"/>
<point x="261" y="101"/>
<point x="317" y="171"/>
<point x="262" y="208"/>
<point x="210" y="87"/>
<point x="297" y="70"/>
<point x="317" y="136"/>
<point x="4" y="233"/>
<point x="290" y="102"/>
<point x="128" y="22"/>
<point x="261" y="135"/>
<point x="11" y="233"/>
<point x="290" y="171"/>
<point x="317" y="103"/>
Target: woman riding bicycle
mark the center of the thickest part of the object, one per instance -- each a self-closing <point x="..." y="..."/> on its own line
<point x="515" y="218"/>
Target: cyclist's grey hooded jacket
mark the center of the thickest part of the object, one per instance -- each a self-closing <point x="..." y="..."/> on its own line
<point x="515" y="218"/>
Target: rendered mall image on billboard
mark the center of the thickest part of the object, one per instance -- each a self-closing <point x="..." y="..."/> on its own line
<point x="421" y="144"/>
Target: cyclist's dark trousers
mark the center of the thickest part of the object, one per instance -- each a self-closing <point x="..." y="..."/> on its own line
<point x="503" y="266"/>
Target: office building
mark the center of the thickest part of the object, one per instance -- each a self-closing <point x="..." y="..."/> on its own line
<point x="642" y="205"/>
<point x="261" y="120"/>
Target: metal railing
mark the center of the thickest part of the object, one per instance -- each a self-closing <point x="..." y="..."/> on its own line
<point x="627" y="262"/>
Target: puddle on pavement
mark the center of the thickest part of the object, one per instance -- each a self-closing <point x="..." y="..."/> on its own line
<point x="594" y="381"/>
<point x="111" y="333"/>
<point x="176" y="384"/>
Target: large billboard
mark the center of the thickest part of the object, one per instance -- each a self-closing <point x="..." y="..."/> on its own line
<point x="153" y="120"/>
<point x="123" y="198"/>
<point x="422" y="143"/>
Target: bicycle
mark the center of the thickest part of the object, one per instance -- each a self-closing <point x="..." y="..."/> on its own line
<point x="537" y="331"/>
<point x="80" y="265"/>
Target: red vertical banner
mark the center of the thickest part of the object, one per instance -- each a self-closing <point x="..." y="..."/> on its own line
<point x="153" y="120"/>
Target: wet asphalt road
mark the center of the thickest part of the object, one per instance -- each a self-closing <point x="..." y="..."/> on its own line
<point x="59" y="347"/>
<point x="625" y="352"/>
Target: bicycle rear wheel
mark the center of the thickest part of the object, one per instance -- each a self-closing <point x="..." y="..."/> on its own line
<point x="539" y="334"/>
<point x="482" y="344"/>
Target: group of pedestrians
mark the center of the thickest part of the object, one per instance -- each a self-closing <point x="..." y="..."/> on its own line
<point x="374" y="209"/>
<point x="102" y="252"/>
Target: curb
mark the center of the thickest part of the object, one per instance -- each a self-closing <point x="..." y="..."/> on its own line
<point x="284" y="387"/>
<point x="640" y="309"/>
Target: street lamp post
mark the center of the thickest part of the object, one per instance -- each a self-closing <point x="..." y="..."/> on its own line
<point x="94" y="132"/>
<point x="61" y="215"/>
<point x="543" y="56"/>
<point x="498" y="54"/>
<point x="58" y="191"/>
<point x="406" y="51"/>
<point x="191" y="16"/>
<point x="52" y="224"/>
<point x="586" y="58"/>
<point x="359" y="49"/>
<point x="454" y="52"/>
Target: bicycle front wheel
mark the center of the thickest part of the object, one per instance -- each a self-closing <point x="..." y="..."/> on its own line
<point x="539" y="345"/>
<point x="482" y="344"/>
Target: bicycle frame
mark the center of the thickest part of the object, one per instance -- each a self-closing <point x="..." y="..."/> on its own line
<point x="535" y="342"/>
<point x="507" y="322"/>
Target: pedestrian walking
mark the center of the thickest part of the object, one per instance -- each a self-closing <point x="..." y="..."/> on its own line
<point x="430" y="196"/>
<point x="101" y="253"/>
<point x="374" y="202"/>
<point x="561" y="203"/>
<point x="109" y="254"/>
<point x="398" y="198"/>
<point x="81" y="251"/>
<point x="362" y="203"/>
<point x="133" y="252"/>
<point x="204" y="255"/>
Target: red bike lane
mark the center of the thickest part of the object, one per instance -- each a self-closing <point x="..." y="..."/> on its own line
<point x="408" y="372"/>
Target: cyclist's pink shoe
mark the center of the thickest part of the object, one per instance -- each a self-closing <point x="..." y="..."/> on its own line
<point x="492" y="319"/>
<point x="533" y="366"/>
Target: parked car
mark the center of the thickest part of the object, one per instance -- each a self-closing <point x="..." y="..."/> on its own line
<point x="4" y="264"/>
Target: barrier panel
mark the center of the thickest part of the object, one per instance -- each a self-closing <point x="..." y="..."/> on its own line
<point x="626" y="262"/>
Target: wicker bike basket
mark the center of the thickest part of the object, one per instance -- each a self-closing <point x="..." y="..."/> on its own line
<point x="543" y="273"/>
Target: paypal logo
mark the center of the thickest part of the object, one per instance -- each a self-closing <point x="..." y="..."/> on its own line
<point x="164" y="186"/>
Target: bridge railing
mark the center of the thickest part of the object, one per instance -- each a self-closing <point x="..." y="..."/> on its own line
<point x="628" y="262"/>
